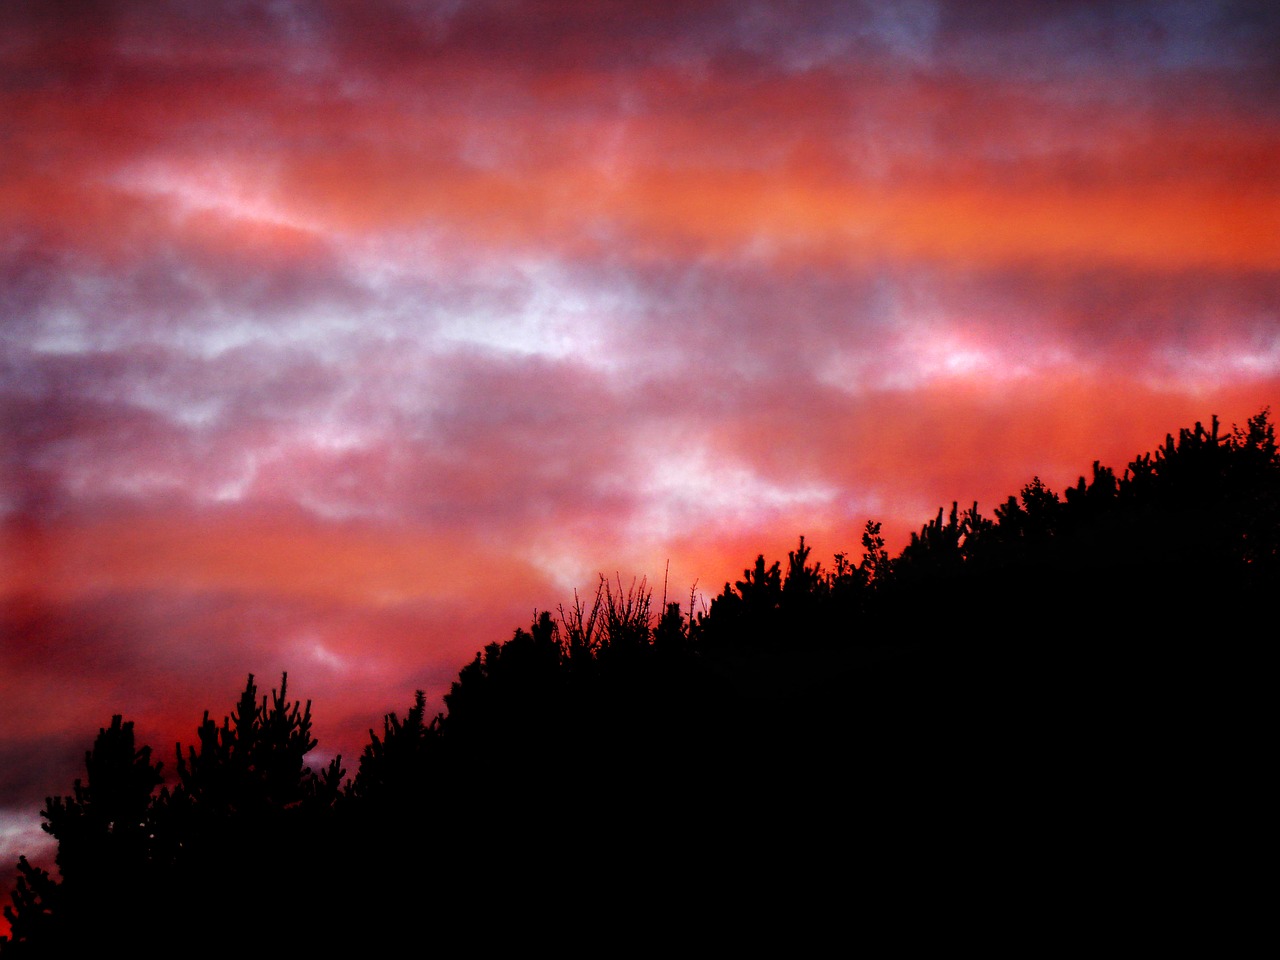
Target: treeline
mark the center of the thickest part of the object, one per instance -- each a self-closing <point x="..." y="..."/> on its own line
<point x="617" y="764"/>
<point x="1201" y="512"/>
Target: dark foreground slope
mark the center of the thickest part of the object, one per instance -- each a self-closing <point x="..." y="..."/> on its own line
<point x="1023" y="728"/>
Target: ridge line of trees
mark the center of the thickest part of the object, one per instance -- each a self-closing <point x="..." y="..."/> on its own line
<point x="608" y="700"/>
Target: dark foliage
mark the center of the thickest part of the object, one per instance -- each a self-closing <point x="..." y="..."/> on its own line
<point x="131" y="856"/>
<point x="1077" y="680"/>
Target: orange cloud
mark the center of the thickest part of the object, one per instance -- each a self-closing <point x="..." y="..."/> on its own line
<point x="300" y="559"/>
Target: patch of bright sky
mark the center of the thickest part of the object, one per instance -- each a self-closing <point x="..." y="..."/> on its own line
<point x="241" y="190"/>
<point x="63" y="333"/>
<point x="88" y="481"/>
<point x="557" y="319"/>
<point x="326" y="331"/>
<point x="678" y="494"/>
<point x="188" y="411"/>
<point x="686" y="491"/>
<point x="350" y="508"/>
<point x="1204" y="370"/>
<point x="205" y="333"/>
<point x="932" y="352"/>
<point x="20" y="835"/>
<point x="237" y="486"/>
<point x="317" y="652"/>
<point x="212" y="328"/>
<point x="331" y="437"/>
<point x="390" y="260"/>
<point x="321" y="330"/>
<point x="522" y="307"/>
<point x="565" y="565"/>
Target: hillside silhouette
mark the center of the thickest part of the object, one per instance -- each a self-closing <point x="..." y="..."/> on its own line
<point x="1061" y="705"/>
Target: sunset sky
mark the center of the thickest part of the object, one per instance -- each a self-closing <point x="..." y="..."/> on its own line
<point x="339" y="337"/>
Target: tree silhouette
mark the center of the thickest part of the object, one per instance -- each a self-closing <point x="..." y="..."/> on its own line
<point x="393" y="767"/>
<point x="1075" y="672"/>
<point x="34" y="914"/>
<point x="104" y="834"/>
<point x="244" y="797"/>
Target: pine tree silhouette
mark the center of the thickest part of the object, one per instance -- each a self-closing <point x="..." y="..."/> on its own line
<point x="1070" y="677"/>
